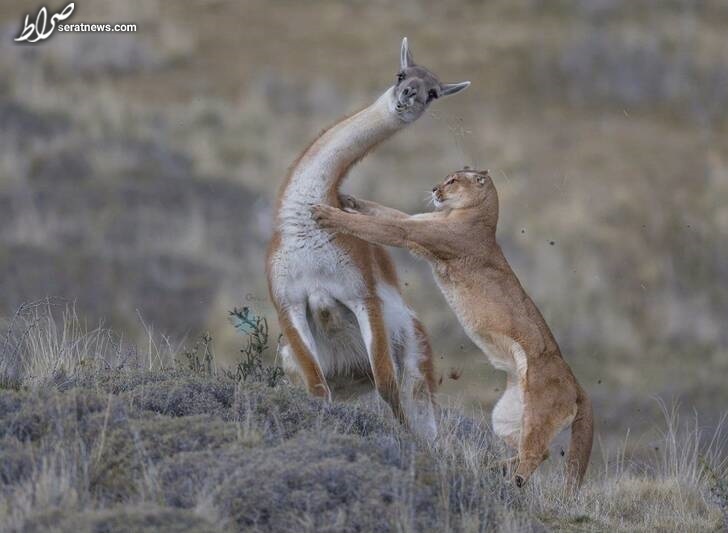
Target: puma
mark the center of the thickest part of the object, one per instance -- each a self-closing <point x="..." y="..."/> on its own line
<point x="542" y="395"/>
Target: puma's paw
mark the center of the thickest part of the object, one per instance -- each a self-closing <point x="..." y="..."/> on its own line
<point x="325" y="216"/>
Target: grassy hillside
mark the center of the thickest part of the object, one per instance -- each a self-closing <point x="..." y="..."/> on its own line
<point x="96" y="436"/>
<point x="173" y="451"/>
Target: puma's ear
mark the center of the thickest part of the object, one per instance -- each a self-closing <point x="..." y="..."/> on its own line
<point x="447" y="89"/>
<point x="405" y="56"/>
<point x="482" y="177"/>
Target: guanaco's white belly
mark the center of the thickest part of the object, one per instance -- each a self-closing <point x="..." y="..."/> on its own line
<point x="309" y="269"/>
<point x="310" y="263"/>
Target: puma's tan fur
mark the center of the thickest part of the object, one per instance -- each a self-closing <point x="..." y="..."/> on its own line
<point x="542" y="395"/>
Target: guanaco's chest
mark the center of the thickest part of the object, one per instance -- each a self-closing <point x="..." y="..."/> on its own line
<point x="308" y="260"/>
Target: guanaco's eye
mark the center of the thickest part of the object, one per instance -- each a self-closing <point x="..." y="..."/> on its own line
<point x="400" y="76"/>
<point x="432" y="95"/>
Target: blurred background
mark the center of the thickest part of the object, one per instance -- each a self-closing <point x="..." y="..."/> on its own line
<point x="138" y="171"/>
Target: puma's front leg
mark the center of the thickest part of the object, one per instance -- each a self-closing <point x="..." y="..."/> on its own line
<point x="351" y="204"/>
<point x="383" y="232"/>
<point x="409" y="232"/>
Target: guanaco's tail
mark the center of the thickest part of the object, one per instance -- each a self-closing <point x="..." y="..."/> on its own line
<point x="582" y="435"/>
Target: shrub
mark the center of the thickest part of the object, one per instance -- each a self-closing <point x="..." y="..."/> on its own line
<point x="251" y="366"/>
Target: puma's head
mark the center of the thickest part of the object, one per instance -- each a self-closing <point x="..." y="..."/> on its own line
<point x="466" y="189"/>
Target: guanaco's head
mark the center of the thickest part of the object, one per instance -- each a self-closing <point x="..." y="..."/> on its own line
<point x="416" y="87"/>
<point x="466" y="189"/>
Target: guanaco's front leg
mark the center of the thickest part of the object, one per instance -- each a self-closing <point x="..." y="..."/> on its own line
<point x="303" y="346"/>
<point x="374" y="333"/>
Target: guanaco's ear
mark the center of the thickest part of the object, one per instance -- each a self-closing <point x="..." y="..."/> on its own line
<point x="447" y="89"/>
<point x="405" y="56"/>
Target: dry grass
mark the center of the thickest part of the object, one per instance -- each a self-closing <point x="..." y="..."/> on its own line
<point x="46" y="342"/>
<point x="666" y="491"/>
<point x="110" y="446"/>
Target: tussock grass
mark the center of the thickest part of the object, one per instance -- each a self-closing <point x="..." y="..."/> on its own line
<point x="669" y="491"/>
<point x="117" y="443"/>
<point x="123" y="163"/>
<point x="46" y="341"/>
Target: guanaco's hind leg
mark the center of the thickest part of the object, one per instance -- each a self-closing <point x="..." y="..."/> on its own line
<point x="376" y="339"/>
<point x="417" y="383"/>
<point x="302" y="347"/>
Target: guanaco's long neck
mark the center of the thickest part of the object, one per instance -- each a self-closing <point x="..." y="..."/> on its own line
<point x="321" y="169"/>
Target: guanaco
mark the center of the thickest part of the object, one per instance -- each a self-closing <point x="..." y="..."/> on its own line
<point x="338" y="298"/>
<point x="542" y="395"/>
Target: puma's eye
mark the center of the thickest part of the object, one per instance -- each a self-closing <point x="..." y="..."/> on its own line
<point x="400" y="76"/>
<point x="450" y="181"/>
<point x="432" y="95"/>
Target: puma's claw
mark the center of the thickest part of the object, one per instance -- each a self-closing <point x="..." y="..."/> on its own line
<point x="323" y="215"/>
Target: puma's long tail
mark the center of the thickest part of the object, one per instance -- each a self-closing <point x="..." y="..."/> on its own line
<point x="582" y="435"/>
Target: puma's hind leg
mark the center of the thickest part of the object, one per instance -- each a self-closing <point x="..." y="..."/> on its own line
<point x="507" y="414"/>
<point x="534" y="449"/>
<point x="507" y="420"/>
<point x="545" y="413"/>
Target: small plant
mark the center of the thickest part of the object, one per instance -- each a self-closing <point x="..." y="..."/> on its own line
<point x="200" y="356"/>
<point x="251" y="367"/>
